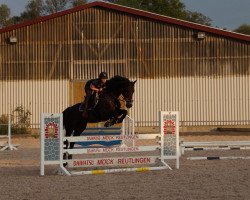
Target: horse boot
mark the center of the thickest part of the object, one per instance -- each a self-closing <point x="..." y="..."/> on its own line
<point x="110" y="122"/>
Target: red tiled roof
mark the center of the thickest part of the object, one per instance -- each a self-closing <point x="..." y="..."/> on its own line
<point x="136" y="12"/>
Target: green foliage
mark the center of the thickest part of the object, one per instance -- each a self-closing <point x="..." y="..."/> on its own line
<point x="5" y="19"/>
<point x="53" y="6"/>
<point x="3" y="125"/>
<point x="20" y="122"/>
<point x="34" y="9"/>
<point x="16" y="19"/>
<point x="75" y="3"/>
<point x="244" y="29"/>
<point x="171" y="8"/>
<point x="198" y="18"/>
<point x="22" y="116"/>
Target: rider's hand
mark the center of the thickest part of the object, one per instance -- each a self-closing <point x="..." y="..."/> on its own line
<point x="100" y="89"/>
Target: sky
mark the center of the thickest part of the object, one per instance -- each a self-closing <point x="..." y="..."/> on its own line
<point x="228" y="14"/>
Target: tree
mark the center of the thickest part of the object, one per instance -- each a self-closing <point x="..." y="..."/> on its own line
<point x="198" y="18"/>
<point x="16" y="19"/>
<point x="34" y="9"/>
<point x="171" y="8"/>
<point x="75" y="3"/>
<point x="244" y="29"/>
<point x="5" y="19"/>
<point x="53" y="6"/>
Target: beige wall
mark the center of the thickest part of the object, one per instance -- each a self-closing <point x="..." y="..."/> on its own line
<point x="201" y="101"/>
<point x="37" y="96"/>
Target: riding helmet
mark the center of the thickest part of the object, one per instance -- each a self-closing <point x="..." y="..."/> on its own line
<point x="103" y="75"/>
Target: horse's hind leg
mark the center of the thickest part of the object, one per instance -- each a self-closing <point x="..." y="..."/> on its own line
<point x="78" y="131"/>
<point x="67" y="144"/>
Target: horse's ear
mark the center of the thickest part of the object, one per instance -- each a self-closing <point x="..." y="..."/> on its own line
<point x="134" y="81"/>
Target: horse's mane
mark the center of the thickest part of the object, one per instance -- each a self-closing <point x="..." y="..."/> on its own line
<point x="117" y="82"/>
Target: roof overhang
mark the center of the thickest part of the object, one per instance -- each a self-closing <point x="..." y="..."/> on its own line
<point x="136" y="12"/>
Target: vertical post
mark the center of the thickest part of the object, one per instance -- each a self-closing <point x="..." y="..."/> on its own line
<point x="170" y="141"/>
<point x="42" y="145"/>
<point x="128" y="129"/>
<point x="51" y="131"/>
<point x="132" y="122"/>
<point x="123" y="126"/>
<point x="9" y="132"/>
<point x="177" y="141"/>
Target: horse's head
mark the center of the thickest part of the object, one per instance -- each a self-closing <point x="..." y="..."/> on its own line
<point x="128" y="91"/>
<point x="119" y="85"/>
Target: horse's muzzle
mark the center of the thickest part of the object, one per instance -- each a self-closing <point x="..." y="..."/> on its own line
<point x="129" y="103"/>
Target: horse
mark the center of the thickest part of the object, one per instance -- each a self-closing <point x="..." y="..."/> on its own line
<point x="108" y="107"/>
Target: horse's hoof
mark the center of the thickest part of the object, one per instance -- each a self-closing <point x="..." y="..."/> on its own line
<point x="66" y="144"/>
<point x="65" y="164"/>
<point x="108" y="124"/>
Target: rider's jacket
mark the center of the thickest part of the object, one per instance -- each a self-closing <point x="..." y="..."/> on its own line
<point x="96" y="82"/>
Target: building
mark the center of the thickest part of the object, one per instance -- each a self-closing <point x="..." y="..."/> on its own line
<point x="201" y="71"/>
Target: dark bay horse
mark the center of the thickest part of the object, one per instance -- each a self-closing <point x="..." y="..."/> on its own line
<point x="107" y="109"/>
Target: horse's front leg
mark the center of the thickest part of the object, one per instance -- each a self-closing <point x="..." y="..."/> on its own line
<point x="123" y="114"/>
<point x="112" y="120"/>
<point x="118" y="117"/>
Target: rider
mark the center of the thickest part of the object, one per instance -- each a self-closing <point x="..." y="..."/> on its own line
<point x="91" y="87"/>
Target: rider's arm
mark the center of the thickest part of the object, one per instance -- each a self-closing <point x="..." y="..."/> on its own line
<point x="92" y="87"/>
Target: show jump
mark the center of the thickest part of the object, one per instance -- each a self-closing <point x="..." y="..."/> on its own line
<point x="119" y="144"/>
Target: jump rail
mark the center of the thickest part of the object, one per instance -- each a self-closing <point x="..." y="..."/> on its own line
<point x="219" y="158"/>
<point x="52" y="147"/>
<point x="127" y="129"/>
<point x="214" y="145"/>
